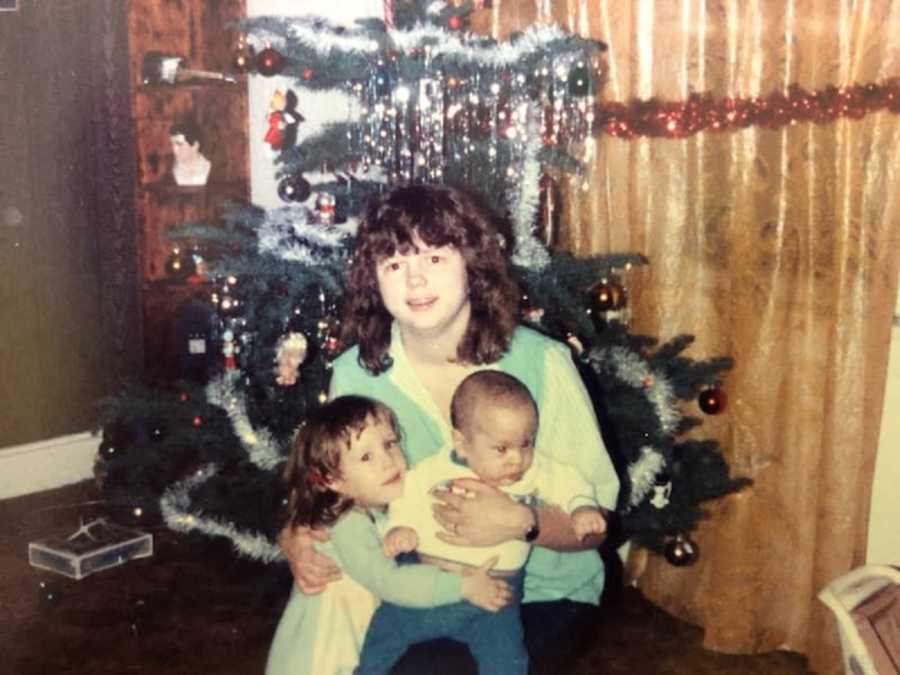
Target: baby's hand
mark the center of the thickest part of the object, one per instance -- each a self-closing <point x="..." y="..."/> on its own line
<point x="482" y="590"/>
<point x="588" y="520"/>
<point x="400" y="540"/>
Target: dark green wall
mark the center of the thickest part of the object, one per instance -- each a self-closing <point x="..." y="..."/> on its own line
<point x="69" y="319"/>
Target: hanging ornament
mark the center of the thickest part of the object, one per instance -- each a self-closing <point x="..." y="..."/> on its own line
<point x="681" y="551"/>
<point x="294" y="189"/>
<point x="326" y="208"/>
<point x="228" y="350"/>
<point x="283" y="120"/>
<point x="712" y="400"/>
<point x="244" y="56"/>
<point x="332" y="344"/>
<point x="455" y="22"/>
<point x="179" y="265"/>
<point x="579" y="83"/>
<point x="289" y="356"/>
<point x="199" y="264"/>
<point x="662" y="491"/>
<point x="269" y="62"/>
<point x="329" y="333"/>
<point x="609" y="294"/>
<point x="549" y="211"/>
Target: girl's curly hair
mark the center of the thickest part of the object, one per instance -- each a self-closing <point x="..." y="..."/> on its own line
<point x="315" y="458"/>
<point x="438" y="216"/>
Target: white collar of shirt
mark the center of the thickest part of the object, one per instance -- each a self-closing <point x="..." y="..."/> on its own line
<point x="404" y="376"/>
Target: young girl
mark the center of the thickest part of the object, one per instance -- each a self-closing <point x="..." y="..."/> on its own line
<point x="345" y="467"/>
<point x="431" y="300"/>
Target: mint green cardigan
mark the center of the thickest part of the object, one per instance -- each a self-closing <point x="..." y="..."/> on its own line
<point x="568" y="433"/>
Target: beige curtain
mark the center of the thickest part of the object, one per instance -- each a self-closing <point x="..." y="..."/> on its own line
<point x="779" y="248"/>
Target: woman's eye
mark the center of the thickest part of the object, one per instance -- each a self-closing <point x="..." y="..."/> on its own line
<point x="501" y="449"/>
<point x="365" y="458"/>
<point x="435" y="259"/>
<point x="393" y="266"/>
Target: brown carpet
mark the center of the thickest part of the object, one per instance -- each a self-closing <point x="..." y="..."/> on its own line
<point x="193" y="607"/>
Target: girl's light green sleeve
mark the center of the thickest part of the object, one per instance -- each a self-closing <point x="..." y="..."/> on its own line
<point x="358" y="547"/>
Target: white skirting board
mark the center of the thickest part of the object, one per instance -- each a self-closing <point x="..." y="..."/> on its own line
<point x="45" y="465"/>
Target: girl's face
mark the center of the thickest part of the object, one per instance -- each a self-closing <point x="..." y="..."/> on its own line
<point x="426" y="290"/>
<point x="372" y="467"/>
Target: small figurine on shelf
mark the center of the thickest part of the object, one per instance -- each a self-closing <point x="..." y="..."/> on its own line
<point x="191" y="166"/>
<point x="283" y="120"/>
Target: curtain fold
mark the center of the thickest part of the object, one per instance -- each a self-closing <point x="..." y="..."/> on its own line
<point x="777" y="247"/>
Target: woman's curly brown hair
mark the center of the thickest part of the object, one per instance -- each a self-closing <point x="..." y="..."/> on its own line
<point x="438" y="216"/>
<point x="315" y="458"/>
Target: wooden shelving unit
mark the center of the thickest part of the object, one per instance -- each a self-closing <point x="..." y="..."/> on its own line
<point x="196" y="31"/>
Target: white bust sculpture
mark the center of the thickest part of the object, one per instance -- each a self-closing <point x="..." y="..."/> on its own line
<point x="191" y="166"/>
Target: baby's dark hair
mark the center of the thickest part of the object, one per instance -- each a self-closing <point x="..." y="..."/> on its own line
<point x="439" y="216"/>
<point x="486" y="388"/>
<point x="315" y="458"/>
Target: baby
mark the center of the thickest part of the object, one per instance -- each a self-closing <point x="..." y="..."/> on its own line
<point x="495" y="421"/>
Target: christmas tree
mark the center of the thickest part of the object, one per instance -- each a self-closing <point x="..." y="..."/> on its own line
<point x="431" y="102"/>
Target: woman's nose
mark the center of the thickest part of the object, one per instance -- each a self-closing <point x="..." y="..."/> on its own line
<point x="415" y="275"/>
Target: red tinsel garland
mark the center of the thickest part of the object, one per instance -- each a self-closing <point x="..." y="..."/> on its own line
<point x="678" y="119"/>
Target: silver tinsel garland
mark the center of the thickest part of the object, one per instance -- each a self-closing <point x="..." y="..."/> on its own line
<point x="259" y="444"/>
<point x="175" y="507"/>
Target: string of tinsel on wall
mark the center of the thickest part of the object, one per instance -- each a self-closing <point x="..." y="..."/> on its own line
<point x="701" y="112"/>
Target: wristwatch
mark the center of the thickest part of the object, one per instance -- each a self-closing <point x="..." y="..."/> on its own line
<point x="534" y="531"/>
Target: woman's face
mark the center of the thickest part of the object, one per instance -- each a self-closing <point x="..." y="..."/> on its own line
<point x="426" y="290"/>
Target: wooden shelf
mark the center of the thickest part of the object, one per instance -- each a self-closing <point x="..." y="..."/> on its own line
<point x="195" y="30"/>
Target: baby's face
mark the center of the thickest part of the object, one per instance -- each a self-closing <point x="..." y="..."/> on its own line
<point x="499" y="443"/>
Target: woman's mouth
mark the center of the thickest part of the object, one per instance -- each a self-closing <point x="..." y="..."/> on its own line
<point x="393" y="480"/>
<point x="421" y="304"/>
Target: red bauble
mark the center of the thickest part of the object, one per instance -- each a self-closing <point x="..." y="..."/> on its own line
<point x="244" y="58"/>
<point x="712" y="400"/>
<point x="454" y="22"/>
<point x="269" y="62"/>
<point x="681" y="551"/>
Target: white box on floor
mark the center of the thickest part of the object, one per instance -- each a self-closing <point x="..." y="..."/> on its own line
<point x="96" y="546"/>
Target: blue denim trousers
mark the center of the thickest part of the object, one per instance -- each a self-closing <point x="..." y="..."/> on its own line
<point x="495" y="639"/>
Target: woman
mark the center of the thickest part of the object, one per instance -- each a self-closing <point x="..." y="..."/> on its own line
<point x="431" y="300"/>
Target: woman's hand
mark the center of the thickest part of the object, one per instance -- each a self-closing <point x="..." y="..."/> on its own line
<point x="312" y="570"/>
<point x="482" y="516"/>
<point x="482" y="590"/>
